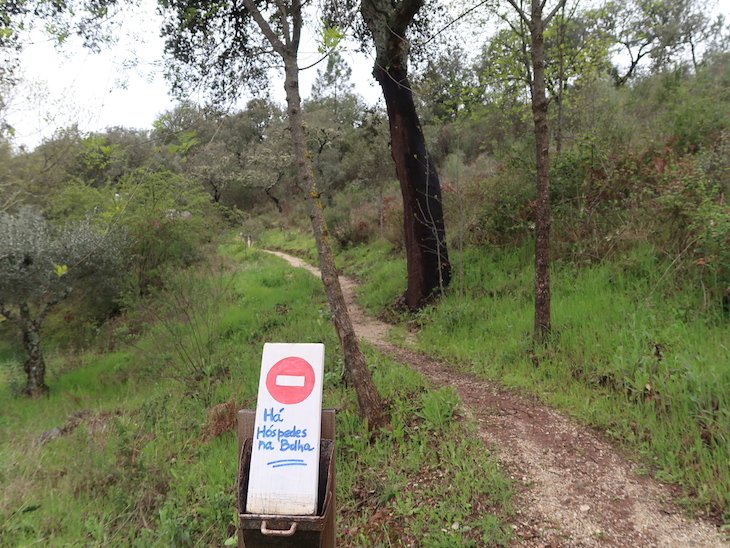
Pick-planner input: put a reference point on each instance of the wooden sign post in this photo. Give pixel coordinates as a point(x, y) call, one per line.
point(285, 454)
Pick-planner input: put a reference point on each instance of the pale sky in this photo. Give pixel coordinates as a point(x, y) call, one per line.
point(123, 85)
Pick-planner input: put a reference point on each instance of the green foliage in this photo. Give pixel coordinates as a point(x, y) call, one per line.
point(503, 70)
point(99, 159)
point(440, 486)
point(636, 165)
point(139, 467)
point(507, 199)
point(41, 264)
point(695, 112)
point(77, 201)
point(641, 234)
point(694, 198)
point(438, 408)
point(187, 316)
point(577, 49)
point(381, 271)
point(351, 218)
point(330, 39)
point(662, 32)
point(651, 368)
point(290, 241)
point(167, 218)
point(447, 87)
point(186, 140)
point(203, 50)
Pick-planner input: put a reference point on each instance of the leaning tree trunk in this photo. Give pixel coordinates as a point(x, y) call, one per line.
point(429, 270)
point(35, 365)
point(370, 404)
point(542, 140)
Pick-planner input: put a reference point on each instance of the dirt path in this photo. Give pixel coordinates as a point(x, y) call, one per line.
point(575, 489)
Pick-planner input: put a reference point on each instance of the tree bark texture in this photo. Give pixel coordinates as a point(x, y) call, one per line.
point(542, 142)
point(35, 365)
point(429, 269)
point(369, 402)
point(287, 46)
point(561, 84)
point(427, 258)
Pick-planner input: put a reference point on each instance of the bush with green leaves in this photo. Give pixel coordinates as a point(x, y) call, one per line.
point(352, 220)
point(167, 217)
point(694, 199)
point(40, 266)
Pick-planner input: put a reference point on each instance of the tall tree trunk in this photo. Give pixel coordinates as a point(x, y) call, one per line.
point(35, 365)
point(561, 83)
point(542, 142)
point(370, 404)
point(429, 269)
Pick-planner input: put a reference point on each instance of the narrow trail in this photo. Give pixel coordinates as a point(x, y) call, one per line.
point(574, 488)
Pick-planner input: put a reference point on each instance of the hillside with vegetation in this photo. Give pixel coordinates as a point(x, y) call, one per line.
point(587, 275)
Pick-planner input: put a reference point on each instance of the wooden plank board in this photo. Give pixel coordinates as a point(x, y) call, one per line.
point(285, 458)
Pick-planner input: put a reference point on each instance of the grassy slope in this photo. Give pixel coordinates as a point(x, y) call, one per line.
point(640, 364)
point(140, 469)
point(631, 354)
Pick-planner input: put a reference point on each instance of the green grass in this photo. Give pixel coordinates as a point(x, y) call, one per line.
point(431, 478)
point(139, 470)
point(377, 267)
point(9, 356)
point(290, 241)
point(380, 271)
point(633, 353)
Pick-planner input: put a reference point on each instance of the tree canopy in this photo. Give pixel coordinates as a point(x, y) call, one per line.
point(40, 265)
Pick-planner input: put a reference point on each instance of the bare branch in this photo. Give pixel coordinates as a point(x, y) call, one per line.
point(517, 31)
point(271, 36)
point(520, 12)
point(553, 12)
point(329, 52)
point(284, 21)
point(274, 199)
point(48, 306)
point(454, 21)
point(404, 15)
point(318, 61)
point(11, 199)
point(297, 23)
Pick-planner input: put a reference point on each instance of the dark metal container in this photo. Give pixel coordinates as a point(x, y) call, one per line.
point(258, 530)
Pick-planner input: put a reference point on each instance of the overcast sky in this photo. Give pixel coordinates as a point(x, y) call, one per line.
point(123, 85)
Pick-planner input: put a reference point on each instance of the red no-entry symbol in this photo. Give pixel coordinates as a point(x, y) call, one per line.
point(290, 380)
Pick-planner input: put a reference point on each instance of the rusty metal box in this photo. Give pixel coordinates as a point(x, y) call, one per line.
point(256, 530)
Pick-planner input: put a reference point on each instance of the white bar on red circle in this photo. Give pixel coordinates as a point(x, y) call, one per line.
point(284, 472)
point(289, 380)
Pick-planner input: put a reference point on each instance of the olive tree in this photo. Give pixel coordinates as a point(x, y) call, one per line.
point(40, 266)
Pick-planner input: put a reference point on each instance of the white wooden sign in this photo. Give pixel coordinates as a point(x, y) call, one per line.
point(284, 470)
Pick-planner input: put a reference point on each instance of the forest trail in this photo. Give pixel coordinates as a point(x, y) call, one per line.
point(573, 487)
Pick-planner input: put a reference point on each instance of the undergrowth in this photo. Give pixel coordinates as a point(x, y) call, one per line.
point(134, 447)
point(634, 352)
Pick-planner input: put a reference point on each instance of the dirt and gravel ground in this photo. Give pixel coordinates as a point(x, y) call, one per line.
point(575, 488)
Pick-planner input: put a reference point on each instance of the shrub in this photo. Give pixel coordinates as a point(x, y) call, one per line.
point(352, 220)
point(167, 218)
